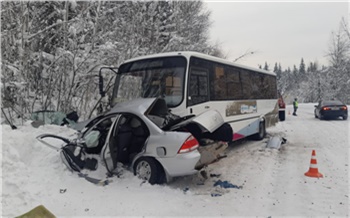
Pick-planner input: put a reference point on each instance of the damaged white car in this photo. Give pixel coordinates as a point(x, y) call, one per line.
point(145, 135)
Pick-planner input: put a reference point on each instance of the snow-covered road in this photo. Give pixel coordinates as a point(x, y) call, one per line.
point(272, 181)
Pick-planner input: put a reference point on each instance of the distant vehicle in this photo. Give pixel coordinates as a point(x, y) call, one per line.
point(192, 83)
point(143, 134)
point(331, 109)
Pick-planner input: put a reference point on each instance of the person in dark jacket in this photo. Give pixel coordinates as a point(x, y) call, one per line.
point(295, 106)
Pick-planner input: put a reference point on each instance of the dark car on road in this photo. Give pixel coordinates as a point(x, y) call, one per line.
point(331, 109)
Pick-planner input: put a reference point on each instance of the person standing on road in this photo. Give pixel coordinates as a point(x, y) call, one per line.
point(295, 106)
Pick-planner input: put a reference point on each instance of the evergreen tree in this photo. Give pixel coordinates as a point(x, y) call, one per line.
point(295, 71)
point(312, 67)
point(309, 68)
point(288, 70)
point(275, 69)
point(302, 67)
point(279, 68)
point(266, 67)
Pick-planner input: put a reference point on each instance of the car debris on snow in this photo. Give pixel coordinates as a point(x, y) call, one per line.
point(275, 142)
point(226, 184)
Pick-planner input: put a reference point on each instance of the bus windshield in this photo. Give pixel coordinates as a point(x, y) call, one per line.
point(157, 77)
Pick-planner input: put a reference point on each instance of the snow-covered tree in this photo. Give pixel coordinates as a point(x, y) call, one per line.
point(51, 51)
point(302, 70)
point(338, 73)
point(266, 66)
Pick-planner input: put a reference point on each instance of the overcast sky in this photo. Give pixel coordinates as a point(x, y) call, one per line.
point(282, 32)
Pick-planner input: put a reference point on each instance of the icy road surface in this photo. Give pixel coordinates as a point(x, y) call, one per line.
point(270, 182)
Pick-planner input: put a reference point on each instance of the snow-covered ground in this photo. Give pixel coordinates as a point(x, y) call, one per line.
point(272, 182)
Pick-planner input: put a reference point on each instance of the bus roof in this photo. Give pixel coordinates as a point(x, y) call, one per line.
point(189, 54)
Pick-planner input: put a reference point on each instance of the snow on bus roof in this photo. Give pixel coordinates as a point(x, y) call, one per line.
point(189, 54)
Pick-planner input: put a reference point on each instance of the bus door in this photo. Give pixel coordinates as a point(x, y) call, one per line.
point(198, 91)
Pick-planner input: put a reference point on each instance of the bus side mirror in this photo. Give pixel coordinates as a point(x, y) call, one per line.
point(100, 79)
point(100, 85)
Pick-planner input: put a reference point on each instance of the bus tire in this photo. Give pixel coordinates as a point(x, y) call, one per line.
point(262, 132)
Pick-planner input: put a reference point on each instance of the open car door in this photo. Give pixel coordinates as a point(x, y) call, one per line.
point(118, 142)
point(109, 151)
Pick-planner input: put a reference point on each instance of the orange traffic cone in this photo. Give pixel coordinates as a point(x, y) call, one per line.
point(313, 171)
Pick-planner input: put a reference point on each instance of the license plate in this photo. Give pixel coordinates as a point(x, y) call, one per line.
point(335, 108)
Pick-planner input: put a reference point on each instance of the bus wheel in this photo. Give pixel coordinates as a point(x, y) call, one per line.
point(262, 132)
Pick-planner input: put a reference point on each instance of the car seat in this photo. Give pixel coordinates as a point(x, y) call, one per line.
point(124, 136)
point(140, 134)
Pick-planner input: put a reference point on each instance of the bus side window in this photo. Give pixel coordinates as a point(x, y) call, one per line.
point(256, 86)
point(218, 89)
point(234, 85)
point(198, 86)
point(246, 85)
point(271, 87)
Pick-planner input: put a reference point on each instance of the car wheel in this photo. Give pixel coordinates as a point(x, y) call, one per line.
point(262, 132)
point(345, 117)
point(149, 169)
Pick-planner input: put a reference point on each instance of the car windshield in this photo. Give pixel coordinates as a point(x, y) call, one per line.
point(157, 77)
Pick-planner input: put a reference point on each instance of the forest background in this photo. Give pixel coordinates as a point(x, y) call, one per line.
point(51, 52)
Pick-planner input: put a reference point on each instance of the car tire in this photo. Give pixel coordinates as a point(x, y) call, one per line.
point(147, 168)
point(345, 117)
point(262, 132)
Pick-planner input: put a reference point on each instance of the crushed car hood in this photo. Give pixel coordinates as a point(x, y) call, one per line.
point(137, 106)
point(208, 121)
